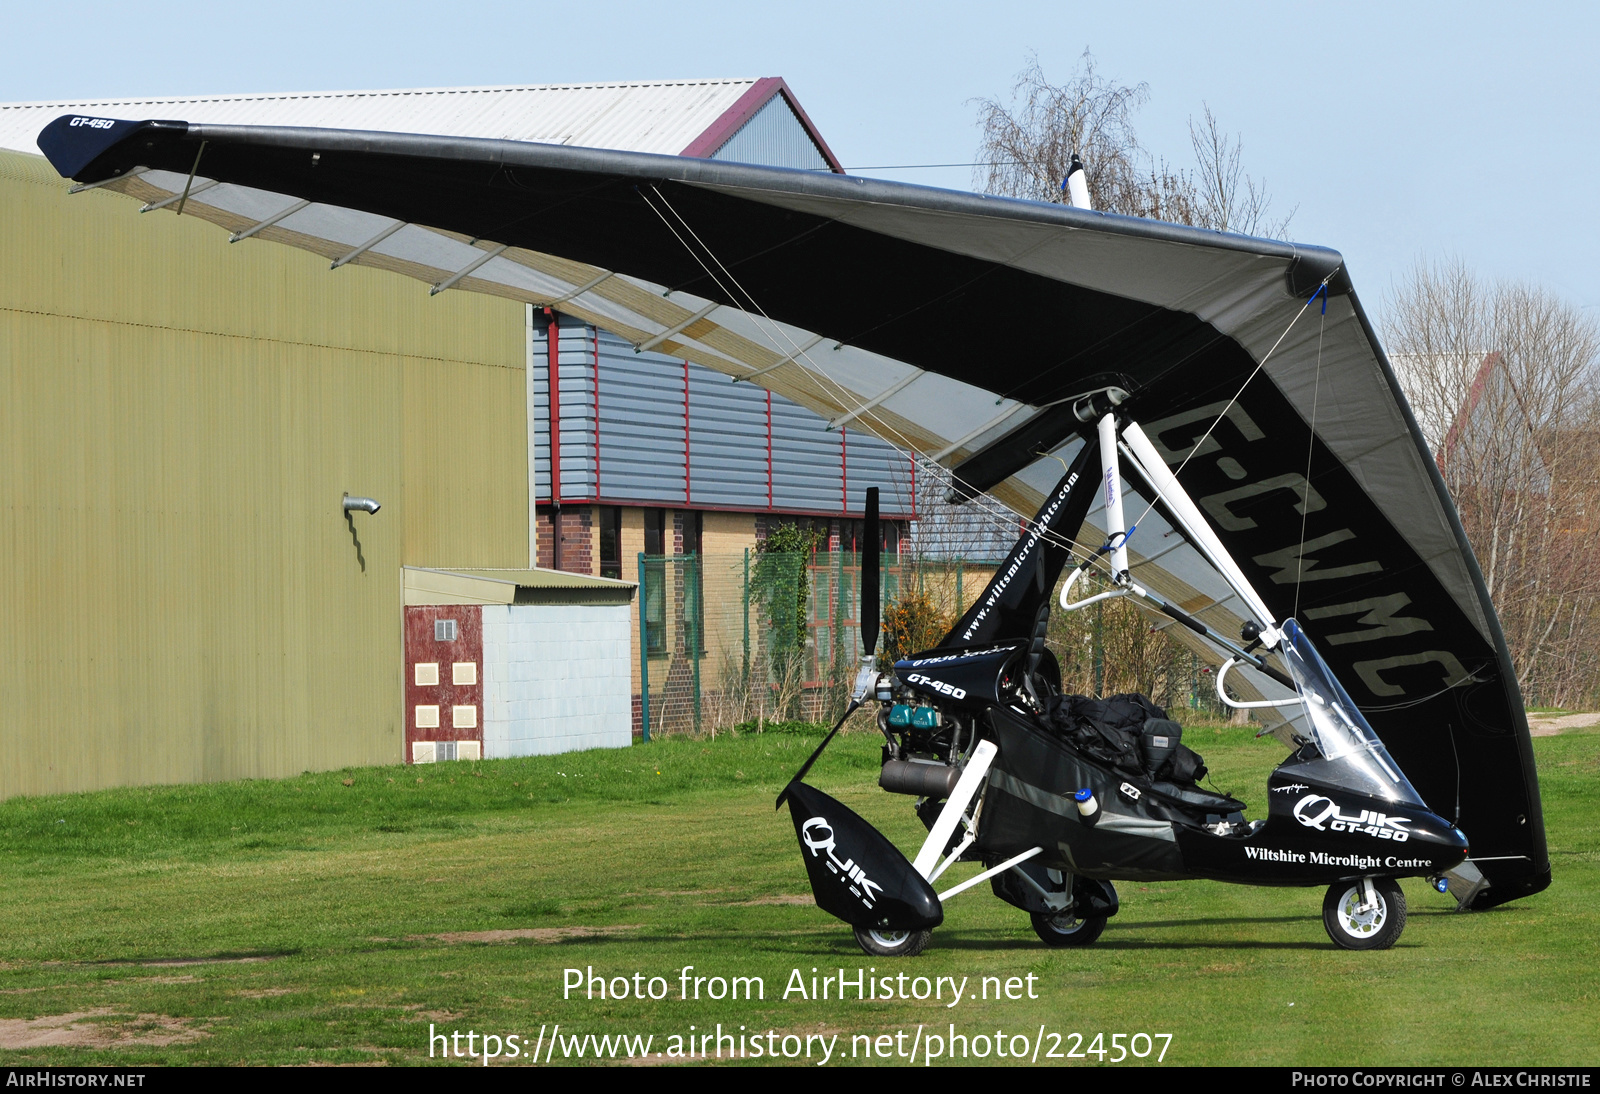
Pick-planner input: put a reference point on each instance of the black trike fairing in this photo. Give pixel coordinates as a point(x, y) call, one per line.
point(1029, 803)
point(1318, 833)
point(1315, 832)
point(1090, 897)
point(856, 874)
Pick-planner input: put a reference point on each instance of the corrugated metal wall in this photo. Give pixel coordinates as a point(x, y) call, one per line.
point(870, 462)
point(578, 451)
point(672, 434)
point(775, 137)
point(727, 442)
point(466, 458)
point(807, 460)
point(660, 116)
point(183, 599)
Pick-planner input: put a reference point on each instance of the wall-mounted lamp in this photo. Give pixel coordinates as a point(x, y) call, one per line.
point(354, 504)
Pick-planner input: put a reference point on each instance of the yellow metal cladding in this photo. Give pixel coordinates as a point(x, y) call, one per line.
point(465, 427)
point(181, 595)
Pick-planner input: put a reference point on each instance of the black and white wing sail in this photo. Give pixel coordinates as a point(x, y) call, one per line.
point(962, 326)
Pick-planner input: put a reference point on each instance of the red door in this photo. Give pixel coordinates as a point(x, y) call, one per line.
point(444, 683)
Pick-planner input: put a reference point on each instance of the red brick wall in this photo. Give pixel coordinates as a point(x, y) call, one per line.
point(577, 540)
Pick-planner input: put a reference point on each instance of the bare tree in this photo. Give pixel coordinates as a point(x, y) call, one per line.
point(1028, 144)
point(1502, 379)
point(1027, 147)
point(1228, 199)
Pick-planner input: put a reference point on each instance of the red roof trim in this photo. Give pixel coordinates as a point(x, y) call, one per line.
point(1480, 383)
point(760, 94)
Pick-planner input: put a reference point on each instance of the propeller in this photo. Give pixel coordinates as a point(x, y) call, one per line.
point(869, 578)
point(870, 624)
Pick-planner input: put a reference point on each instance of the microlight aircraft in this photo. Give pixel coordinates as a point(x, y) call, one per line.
point(1227, 391)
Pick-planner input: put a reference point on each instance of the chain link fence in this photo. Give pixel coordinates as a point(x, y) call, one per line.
point(728, 639)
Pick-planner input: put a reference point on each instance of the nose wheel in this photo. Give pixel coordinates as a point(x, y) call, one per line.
point(1358, 920)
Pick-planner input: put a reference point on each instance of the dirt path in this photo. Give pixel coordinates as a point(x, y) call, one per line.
point(97, 1029)
point(1549, 725)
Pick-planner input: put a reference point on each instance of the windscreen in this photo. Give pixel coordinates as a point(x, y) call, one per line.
point(1356, 756)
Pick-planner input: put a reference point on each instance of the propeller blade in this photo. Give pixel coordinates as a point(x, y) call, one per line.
point(798, 775)
point(869, 575)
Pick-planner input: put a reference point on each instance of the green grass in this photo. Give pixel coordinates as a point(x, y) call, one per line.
point(299, 921)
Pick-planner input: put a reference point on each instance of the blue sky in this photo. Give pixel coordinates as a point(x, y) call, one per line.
point(1400, 130)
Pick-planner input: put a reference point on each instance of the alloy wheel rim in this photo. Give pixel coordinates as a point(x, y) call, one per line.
point(1358, 923)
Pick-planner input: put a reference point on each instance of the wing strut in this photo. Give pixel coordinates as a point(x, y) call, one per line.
point(1148, 464)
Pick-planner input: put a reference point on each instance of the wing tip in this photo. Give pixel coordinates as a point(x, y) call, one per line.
point(81, 146)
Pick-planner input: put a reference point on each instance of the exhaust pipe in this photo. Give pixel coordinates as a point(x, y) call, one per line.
point(922, 778)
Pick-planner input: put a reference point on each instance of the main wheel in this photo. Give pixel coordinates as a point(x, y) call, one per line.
point(1352, 926)
point(883, 942)
point(1067, 928)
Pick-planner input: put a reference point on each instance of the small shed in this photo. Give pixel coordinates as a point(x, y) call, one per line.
point(515, 663)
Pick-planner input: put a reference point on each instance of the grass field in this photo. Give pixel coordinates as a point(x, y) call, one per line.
point(333, 918)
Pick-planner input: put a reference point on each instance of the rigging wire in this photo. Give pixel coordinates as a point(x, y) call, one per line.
point(1471, 677)
point(821, 381)
point(843, 396)
point(1311, 442)
point(919, 166)
point(1247, 381)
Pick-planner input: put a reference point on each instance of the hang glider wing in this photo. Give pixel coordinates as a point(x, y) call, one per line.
point(962, 326)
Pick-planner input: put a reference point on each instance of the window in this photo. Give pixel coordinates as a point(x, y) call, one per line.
point(653, 597)
point(610, 541)
point(655, 527)
point(852, 536)
point(691, 572)
point(655, 607)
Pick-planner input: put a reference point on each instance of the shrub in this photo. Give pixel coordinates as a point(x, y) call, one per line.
point(911, 624)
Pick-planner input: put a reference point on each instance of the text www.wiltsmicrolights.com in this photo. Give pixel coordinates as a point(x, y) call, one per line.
point(918, 1046)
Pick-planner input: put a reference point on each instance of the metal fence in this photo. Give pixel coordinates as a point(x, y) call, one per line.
point(753, 637)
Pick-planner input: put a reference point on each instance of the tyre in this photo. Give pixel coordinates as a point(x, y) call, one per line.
point(884, 942)
point(1353, 927)
point(1067, 928)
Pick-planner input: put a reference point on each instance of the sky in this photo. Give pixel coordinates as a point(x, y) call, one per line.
point(1398, 132)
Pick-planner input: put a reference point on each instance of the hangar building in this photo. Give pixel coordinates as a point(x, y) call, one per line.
point(189, 597)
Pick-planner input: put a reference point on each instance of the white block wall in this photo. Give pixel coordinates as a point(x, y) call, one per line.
point(555, 678)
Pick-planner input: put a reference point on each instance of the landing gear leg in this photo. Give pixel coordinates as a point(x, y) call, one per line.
point(1073, 925)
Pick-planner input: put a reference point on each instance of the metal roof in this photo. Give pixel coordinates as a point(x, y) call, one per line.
point(427, 585)
point(670, 117)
